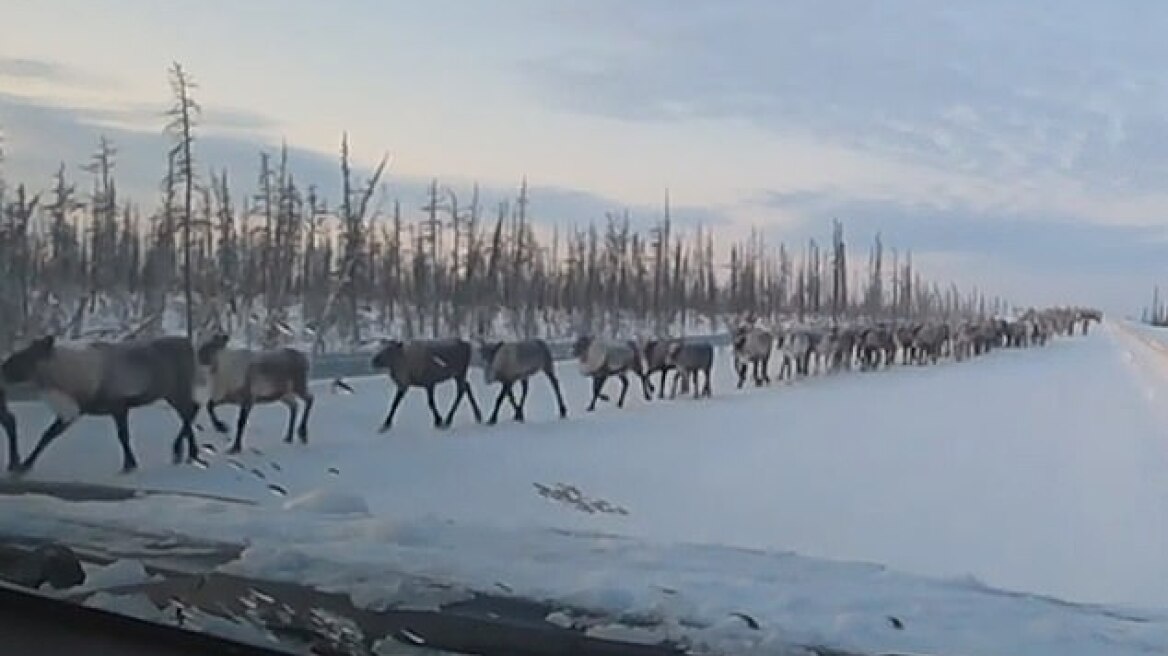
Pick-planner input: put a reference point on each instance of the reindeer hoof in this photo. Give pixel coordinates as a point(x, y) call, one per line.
point(235, 449)
point(288, 440)
point(492, 421)
point(129, 469)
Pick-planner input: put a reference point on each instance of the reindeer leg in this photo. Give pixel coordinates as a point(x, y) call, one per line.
point(240, 425)
point(597, 385)
point(122, 422)
point(741, 374)
point(504, 391)
point(555, 383)
point(438, 421)
point(624, 379)
point(51, 433)
point(600, 389)
point(522, 401)
point(397, 399)
point(291, 403)
point(218, 423)
point(661, 391)
point(308, 399)
point(187, 410)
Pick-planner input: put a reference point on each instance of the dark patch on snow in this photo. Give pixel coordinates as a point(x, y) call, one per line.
point(571, 496)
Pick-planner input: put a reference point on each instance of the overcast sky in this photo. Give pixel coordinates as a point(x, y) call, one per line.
point(1019, 146)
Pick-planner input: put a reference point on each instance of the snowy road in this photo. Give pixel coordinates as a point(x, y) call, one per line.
point(1042, 470)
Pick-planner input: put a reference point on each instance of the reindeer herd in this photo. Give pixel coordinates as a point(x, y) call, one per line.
point(112, 378)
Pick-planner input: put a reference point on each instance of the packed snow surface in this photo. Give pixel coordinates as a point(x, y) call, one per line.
point(819, 509)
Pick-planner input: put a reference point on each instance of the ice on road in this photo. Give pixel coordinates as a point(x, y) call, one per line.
point(1040, 470)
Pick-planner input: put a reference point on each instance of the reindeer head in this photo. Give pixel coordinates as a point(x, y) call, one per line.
point(389, 351)
point(211, 348)
point(21, 365)
point(581, 345)
point(487, 351)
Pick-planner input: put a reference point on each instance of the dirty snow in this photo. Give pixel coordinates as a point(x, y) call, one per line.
point(1042, 471)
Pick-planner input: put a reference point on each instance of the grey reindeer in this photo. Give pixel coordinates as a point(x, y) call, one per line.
point(877, 347)
point(245, 378)
point(507, 363)
point(752, 351)
point(8, 421)
point(600, 360)
point(425, 364)
point(691, 359)
point(108, 379)
point(655, 356)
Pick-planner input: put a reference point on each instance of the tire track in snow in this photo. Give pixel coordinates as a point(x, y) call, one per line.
point(1147, 358)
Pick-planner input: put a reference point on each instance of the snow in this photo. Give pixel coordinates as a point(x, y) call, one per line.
point(329, 502)
point(818, 509)
point(119, 573)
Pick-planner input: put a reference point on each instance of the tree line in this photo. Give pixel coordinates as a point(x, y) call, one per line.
point(280, 262)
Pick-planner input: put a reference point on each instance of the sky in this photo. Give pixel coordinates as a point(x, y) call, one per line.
point(1018, 147)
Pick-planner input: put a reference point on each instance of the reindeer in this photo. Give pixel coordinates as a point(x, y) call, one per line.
point(877, 346)
point(599, 360)
point(245, 378)
point(1018, 333)
point(752, 349)
point(928, 344)
point(509, 362)
point(108, 379)
point(425, 363)
point(905, 337)
point(655, 356)
point(792, 346)
point(1087, 316)
point(691, 359)
point(963, 340)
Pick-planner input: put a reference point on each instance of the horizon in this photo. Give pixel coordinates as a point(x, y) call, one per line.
point(1019, 158)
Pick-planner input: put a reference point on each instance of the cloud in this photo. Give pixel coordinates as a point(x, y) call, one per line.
point(1027, 257)
point(149, 117)
point(996, 89)
point(40, 135)
point(35, 69)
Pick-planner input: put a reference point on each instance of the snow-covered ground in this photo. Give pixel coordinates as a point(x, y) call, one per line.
point(1042, 471)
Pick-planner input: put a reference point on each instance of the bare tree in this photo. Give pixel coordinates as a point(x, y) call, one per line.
point(183, 115)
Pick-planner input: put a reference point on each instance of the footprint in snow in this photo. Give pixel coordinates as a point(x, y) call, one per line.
point(750, 621)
